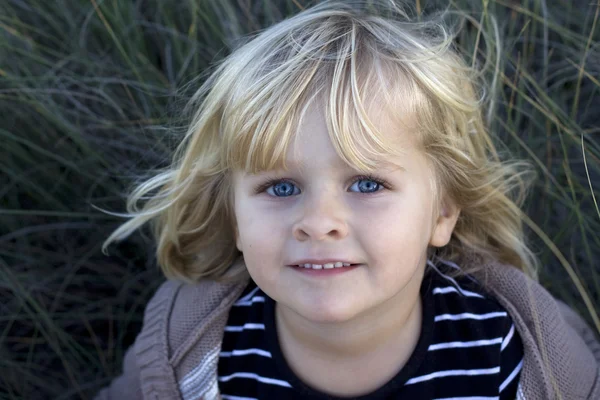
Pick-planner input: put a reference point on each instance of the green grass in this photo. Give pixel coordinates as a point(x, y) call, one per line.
point(88, 102)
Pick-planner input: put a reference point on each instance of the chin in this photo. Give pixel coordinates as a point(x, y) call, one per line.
point(328, 314)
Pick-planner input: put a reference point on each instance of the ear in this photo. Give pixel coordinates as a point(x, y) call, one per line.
point(445, 223)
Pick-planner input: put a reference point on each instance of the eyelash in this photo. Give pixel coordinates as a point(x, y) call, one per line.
point(263, 186)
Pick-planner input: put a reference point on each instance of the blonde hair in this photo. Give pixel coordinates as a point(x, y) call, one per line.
point(246, 113)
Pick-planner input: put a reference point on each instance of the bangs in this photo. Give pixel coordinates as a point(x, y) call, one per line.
point(338, 67)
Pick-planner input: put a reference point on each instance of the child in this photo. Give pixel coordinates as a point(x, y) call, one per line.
point(337, 224)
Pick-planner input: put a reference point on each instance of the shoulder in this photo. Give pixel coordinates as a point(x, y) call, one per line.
point(177, 308)
point(558, 362)
point(182, 323)
point(462, 302)
point(194, 305)
point(475, 332)
point(458, 289)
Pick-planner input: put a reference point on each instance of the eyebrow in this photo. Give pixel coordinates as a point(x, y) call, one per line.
point(390, 165)
point(387, 165)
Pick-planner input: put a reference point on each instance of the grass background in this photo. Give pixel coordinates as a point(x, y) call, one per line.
point(89, 94)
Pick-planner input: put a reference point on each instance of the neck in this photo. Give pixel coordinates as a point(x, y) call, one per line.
point(395, 322)
point(331, 357)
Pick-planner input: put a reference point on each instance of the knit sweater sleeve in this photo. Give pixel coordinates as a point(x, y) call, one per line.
point(173, 355)
point(560, 350)
point(147, 373)
point(581, 327)
point(126, 386)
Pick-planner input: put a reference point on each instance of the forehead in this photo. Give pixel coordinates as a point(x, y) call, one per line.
point(369, 122)
point(316, 140)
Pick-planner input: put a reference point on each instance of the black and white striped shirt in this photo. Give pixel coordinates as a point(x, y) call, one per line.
point(468, 349)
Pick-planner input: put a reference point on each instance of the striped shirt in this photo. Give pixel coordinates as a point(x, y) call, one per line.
point(468, 349)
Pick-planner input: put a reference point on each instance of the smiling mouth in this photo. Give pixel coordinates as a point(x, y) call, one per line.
point(337, 265)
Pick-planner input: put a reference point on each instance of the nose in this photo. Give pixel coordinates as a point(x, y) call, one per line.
point(323, 218)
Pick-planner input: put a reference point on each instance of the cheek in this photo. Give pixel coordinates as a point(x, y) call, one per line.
point(401, 225)
point(260, 235)
point(256, 221)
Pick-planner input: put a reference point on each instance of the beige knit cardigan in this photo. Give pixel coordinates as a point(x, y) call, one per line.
point(175, 355)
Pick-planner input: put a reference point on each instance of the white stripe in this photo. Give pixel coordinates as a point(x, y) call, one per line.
point(229, 328)
point(249, 375)
point(453, 372)
point(511, 376)
point(255, 299)
point(245, 352)
point(461, 290)
point(189, 386)
point(247, 297)
point(456, 317)
point(469, 398)
point(520, 395)
point(453, 265)
point(506, 341)
point(475, 343)
point(444, 290)
point(229, 397)
point(212, 392)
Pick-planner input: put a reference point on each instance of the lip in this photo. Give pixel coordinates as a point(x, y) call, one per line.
point(324, 272)
point(320, 261)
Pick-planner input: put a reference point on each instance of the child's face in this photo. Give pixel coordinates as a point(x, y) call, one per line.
point(322, 211)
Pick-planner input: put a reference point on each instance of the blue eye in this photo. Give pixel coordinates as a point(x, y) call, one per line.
point(282, 189)
point(367, 185)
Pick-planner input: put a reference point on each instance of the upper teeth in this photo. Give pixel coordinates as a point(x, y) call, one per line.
point(338, 264)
